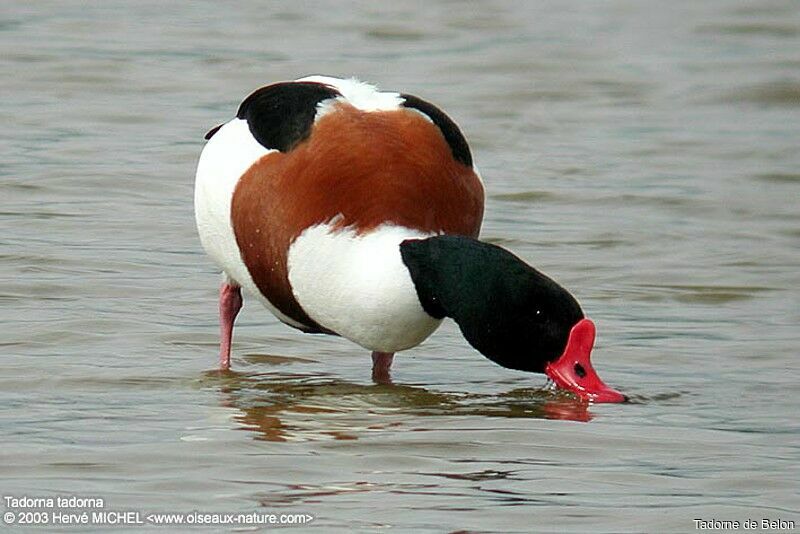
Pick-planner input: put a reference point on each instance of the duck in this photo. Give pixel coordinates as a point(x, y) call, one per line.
point(355, 212)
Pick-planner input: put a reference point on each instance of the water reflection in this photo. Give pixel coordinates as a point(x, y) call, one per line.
point(282, 405)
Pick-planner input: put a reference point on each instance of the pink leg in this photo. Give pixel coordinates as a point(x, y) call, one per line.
point(381, 364)
point(230, 302)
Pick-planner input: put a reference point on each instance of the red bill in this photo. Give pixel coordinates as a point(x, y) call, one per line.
point(573, 370)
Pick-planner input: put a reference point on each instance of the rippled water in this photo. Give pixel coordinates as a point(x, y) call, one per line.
point(646, 154)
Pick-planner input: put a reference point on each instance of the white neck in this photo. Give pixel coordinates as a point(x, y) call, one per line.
point(359, 287)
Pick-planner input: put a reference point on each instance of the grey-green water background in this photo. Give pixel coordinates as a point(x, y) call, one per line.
point(645, 154)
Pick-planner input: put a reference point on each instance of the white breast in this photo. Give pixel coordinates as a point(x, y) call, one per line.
point(227, 155)
point(359, 287)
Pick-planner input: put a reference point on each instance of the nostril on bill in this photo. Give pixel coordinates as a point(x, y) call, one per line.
point(579, 370)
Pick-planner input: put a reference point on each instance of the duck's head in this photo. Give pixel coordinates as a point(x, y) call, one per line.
point(510, 312)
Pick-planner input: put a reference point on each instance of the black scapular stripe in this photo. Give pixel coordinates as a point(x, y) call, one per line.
point(212, 131)
point(452, 134)
point(281, 115)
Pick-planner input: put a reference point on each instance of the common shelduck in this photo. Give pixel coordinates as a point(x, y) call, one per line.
point(354, 212)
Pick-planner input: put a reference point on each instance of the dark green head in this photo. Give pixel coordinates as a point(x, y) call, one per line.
point(506, 309)
point(513, 314)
